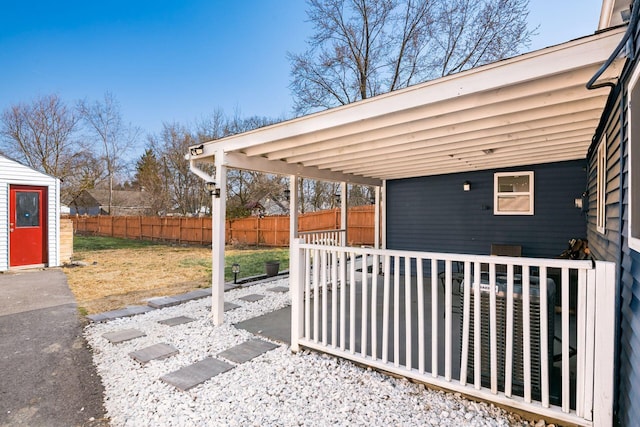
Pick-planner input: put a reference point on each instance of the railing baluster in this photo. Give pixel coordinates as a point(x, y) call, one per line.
point(493, 341)
point(374, 308)
point(352, 304)
point(316, 295)
point(465, 322)
point(477, 334)
point(333, 256)
point(396, 311)
point(343, 299)
point(580, 339)
point(508, 358)
point(307, 294)
point(420, 292)
point(526, 333)
point(566, 385)
point(434, 318)
point(365, 307)
point(448, 319)
point(544, 337)
point(385, 309)
point(407, 310)
point(325, 296)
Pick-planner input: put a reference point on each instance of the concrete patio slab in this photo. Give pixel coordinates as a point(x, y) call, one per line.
point(252, 297)
point(154, 352)
point(117, 337)
point(193, 375)
point(281, 289)
point(175, 321)
point(123, 312)
point(275, 326)
point(247, 350)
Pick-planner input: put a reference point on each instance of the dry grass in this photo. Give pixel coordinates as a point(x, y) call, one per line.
point(121, 277)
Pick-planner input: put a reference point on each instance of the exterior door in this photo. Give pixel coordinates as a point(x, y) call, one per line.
point(27, 225)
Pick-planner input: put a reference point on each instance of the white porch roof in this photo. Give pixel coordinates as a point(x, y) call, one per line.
point(530, 109)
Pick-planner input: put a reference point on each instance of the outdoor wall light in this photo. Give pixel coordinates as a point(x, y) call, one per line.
point(466, 186)
point(196, 151)
point(211, 188)
point(235, 269)
point(287, 194)
point(338, 197)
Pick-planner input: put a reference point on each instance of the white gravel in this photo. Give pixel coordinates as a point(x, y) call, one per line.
point(279, 388)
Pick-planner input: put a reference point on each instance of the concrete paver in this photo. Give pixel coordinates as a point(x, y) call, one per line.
point(154, 352)
point(281, 289)
point(175, 321)
point(247, 350)
point(192, 375)
point(117, 337)
point(252, 297)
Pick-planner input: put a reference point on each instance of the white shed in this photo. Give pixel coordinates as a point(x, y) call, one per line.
point(29, 217)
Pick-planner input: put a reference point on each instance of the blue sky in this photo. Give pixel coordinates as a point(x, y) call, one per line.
point(179, 60)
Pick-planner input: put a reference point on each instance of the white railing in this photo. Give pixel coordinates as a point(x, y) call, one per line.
point(529, 340)
point(324, 237)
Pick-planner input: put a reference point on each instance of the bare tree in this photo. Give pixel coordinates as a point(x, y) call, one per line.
point(41, 135)
point(110, 133)
point(362, 48)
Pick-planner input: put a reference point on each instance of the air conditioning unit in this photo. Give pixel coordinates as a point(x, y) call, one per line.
point(500, 289)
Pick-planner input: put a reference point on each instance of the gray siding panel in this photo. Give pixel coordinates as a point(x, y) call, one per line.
point(435, 214)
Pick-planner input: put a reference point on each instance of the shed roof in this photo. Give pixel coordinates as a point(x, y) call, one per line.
point(530, 109)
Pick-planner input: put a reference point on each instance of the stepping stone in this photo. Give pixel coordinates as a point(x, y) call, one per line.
point(115, 314)
point(175, 321)
point(154, 352)
point(123, 335)
point(228, 306)
point(279, 289)
point(192, 375)
point(162, 302)
point(252, 297)
point(247, 350)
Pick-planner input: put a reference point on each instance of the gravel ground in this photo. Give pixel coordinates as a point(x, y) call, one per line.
point(278, 388)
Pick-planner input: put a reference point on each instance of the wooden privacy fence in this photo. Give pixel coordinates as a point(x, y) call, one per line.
point(266, 231)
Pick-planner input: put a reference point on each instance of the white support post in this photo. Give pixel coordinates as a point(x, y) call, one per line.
point(383, 216)
point(343, 212)
point(376, 226)
point(604, 350)
point(293, 208)
point(297, 282)
point(218, 216)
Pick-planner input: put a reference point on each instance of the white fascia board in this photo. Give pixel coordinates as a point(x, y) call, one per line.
point(571, 55)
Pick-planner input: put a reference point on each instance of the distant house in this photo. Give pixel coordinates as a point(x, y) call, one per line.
point(29, 217)
point(96, 202)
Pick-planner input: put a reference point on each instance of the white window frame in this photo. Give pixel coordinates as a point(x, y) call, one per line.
point(633, 159)
point(497, 194)
point(601, 187)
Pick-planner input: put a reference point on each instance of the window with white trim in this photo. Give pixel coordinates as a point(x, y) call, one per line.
point(513, 193)
point(633, 191)
point(601, 187)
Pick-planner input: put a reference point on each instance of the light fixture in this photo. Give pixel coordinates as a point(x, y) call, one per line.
point(287, 194)
point(372, 199)
point(338, 197)
point(211, 188)
point(235, 269)
point(196, 151)
point(466, 186)
point(488, 151)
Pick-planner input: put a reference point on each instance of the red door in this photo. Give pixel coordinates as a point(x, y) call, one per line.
point(27, 225)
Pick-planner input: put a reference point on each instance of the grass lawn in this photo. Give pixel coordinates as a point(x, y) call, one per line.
point(124, 272)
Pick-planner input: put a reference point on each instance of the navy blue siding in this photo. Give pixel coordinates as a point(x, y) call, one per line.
point(613, 246)
point(435, 214)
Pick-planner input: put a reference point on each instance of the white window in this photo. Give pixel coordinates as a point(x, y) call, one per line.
point(601, 187)
point(513, 193)
point(634, 160)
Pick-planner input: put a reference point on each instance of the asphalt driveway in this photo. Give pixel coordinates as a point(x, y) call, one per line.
point(47, 376)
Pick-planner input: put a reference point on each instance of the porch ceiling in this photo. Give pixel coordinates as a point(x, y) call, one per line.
point(530, 109)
